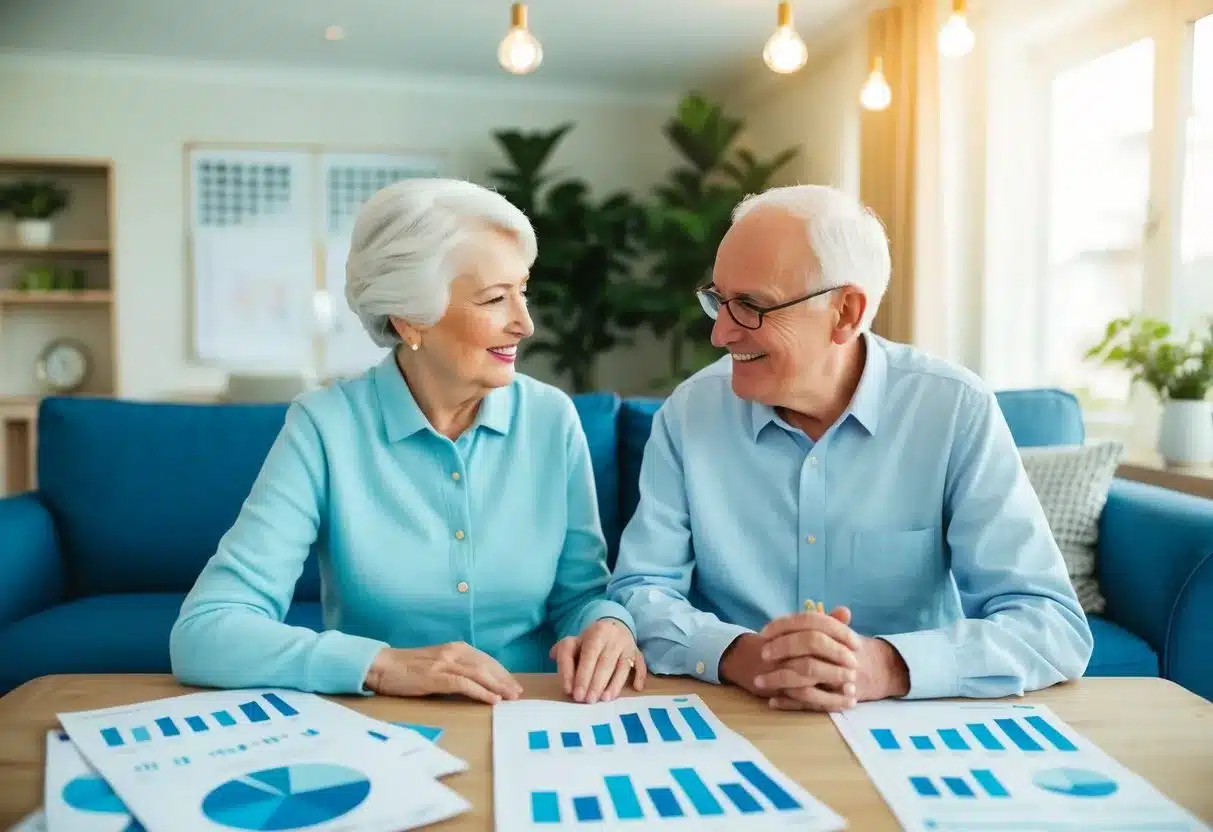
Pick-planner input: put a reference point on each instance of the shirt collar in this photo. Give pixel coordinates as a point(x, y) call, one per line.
point(865, 404)
point(402, 416)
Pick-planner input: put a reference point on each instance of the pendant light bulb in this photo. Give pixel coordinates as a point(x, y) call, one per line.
point(956, 39)
point(876, 93)
point(520, 51)
point(785, 51)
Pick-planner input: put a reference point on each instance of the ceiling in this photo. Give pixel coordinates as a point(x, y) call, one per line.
point(640, 45)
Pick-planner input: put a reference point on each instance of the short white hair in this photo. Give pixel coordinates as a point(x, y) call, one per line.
point(400, 250)
point(848, 238)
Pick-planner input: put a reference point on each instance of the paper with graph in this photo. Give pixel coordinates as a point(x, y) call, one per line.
point(638, 762)
point(262, 759)
point(977, 766)
point(77, 797)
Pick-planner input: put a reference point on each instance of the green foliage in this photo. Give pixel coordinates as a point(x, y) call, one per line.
point(1173, 369)
point(688, 217)
point(578, 290)
point(29, 200)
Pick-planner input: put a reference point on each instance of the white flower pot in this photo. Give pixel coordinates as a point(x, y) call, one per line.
point(34, 233)
point(1185, 436)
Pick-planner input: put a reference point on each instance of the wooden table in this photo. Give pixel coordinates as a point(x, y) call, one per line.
point(1152, 726)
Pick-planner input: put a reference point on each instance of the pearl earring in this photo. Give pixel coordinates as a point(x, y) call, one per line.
point(414, 346)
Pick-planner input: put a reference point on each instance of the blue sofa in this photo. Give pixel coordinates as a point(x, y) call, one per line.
point(133, 497)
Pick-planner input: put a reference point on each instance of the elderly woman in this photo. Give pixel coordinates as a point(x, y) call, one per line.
point(450, 499)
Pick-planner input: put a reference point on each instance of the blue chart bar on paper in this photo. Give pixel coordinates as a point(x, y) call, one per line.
point(281, 707)
point(1059, 740)
point(695, 789)
point(140, 734)
point(587, 808)
point(985, 736)
point(570, 739)
point(885, 739)
point(634, 728)
point(924, 786)
point(111, 736)
point(1022, 739)
point(922, 743)
point(665, 726)
point(545, 807)
point(958, 786)
point(952, 739)
point(224, 718)
point(742, 799)
point(603, 735)
point(537, 740)
point(665, 802)
point(196, 724)
point(759, 779)
point(695, 721)
point(623, 797)
point(167, 727)
point(254, 712)
point(993, 786)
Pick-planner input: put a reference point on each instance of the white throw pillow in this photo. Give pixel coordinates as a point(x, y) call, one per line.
point(1072, 483)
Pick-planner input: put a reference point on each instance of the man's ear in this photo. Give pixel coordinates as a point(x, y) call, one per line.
point(848, 312)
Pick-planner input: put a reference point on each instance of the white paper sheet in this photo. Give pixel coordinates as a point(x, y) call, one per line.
point(977, 766)
point(562, 765)
point(77, 798)
point(261, 759)
point(35, 821)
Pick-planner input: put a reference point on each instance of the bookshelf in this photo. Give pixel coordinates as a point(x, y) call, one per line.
point(50, 290)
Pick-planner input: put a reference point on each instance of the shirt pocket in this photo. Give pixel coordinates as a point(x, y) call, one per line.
point(894, 578)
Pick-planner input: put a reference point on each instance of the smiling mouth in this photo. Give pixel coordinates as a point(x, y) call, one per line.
point(506, 354)
point(747, 357)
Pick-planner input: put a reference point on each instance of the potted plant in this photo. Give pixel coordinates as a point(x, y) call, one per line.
point(1180, 372)
point(33, 205)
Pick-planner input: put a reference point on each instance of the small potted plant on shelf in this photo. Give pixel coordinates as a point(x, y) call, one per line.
point(1179, 372)
point(33, 205)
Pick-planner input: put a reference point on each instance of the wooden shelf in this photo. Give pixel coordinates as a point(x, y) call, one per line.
point(57, 297)
point(82, 249)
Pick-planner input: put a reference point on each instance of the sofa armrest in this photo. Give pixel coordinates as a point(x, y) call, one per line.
point(30, 561)
point(1156, 572)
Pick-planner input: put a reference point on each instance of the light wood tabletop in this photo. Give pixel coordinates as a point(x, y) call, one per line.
point(1154, 727)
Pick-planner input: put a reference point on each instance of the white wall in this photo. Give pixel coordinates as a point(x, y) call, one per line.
point(142, 113)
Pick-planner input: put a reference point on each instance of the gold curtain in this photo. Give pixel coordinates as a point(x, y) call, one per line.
point(903, 37)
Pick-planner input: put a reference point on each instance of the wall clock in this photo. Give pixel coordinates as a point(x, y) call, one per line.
point(63, 365)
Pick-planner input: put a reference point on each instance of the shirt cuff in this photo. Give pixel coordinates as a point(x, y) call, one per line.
point(598, 610)
point(707, 646)
point(340, 662)
point(931, 659)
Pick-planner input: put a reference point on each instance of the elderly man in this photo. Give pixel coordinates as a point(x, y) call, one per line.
point(827, 517)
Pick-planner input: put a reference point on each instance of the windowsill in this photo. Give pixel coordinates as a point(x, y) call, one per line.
point(1143, 465)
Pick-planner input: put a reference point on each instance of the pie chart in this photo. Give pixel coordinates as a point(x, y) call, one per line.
point(1075, 782)
point(287, 797)
point(90, 793)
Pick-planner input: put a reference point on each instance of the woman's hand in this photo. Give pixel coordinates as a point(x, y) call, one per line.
point(597, 663)
point(443, 669)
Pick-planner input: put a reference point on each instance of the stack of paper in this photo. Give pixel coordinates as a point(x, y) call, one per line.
point(262, 759)
point(639, 762)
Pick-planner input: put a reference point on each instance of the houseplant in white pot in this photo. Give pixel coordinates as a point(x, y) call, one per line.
point(1179, 372)
point(34, 205)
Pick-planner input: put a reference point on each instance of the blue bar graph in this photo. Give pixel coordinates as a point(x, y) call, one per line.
point(281, 707)
point(986, 779)
point(924, 786)
point(923, 743)
point(603, 735)
point(623, 796)
point(665, 726)
point(141, 734)
point(742, 799)
point(167, 727)
point(697, 791)
point(570, 739)
point(1018, 735)
point(634, 728)
point(254, 712)
point(537, 740)
point(959, 786)
point(1059, 740)
point(885, 739)
point(224, 718)
point(952, 739)
point(665, 802)
point(378, 736)
point(587, 808)
point(545, 807)
point(759, 779)
point(698, 725)
point(111, 736)
point(985, 736)
point(196, 724)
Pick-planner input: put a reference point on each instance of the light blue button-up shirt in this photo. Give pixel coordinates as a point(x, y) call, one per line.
point(493, 539)
point(913, 510)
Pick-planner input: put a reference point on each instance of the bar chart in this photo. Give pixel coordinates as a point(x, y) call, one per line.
point(679, 723)
point(977, 782)
point(267, 707)
point(1027, 734)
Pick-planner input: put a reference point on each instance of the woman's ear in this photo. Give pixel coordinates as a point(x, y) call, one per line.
point(409, 334)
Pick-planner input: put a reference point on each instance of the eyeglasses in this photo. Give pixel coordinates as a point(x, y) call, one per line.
point(744, 312)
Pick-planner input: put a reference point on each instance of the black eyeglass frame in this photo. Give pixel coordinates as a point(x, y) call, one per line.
point(707, 291)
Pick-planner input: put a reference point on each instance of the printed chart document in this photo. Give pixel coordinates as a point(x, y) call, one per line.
point(33, 822)
point(260, 759)
point(993, 766)
point(76, 796)
point(637, 763)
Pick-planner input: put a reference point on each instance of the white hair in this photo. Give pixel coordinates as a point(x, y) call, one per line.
point(400, 250)
point(848, 238)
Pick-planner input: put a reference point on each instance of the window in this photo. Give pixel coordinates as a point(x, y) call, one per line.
point(1194, 285)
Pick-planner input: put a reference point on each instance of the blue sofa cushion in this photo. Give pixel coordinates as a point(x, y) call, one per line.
point(635, 424)
point(1042, 417)
point(141, 492)
point(1118, 652)
point(599, 415)
point(103, 634)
